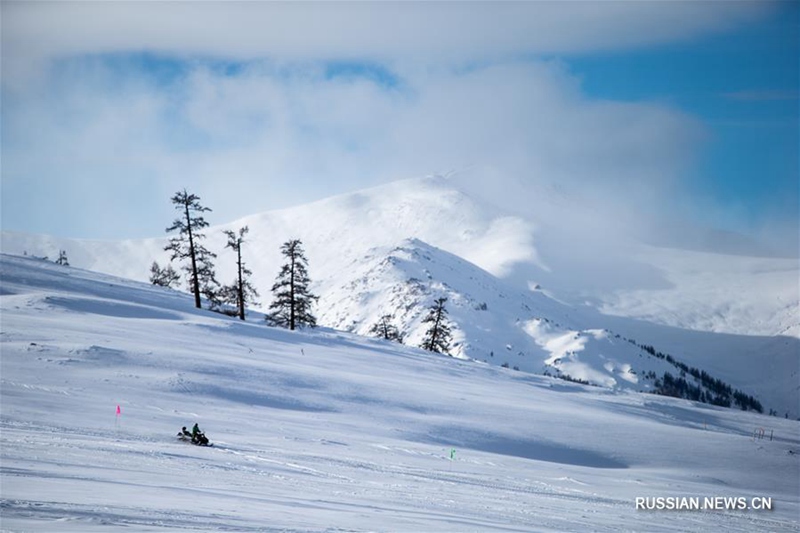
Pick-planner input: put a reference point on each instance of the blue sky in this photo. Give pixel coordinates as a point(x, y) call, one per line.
point(744, 86)
point(690, 108)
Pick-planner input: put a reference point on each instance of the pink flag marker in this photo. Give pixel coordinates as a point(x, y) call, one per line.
point(119, 411)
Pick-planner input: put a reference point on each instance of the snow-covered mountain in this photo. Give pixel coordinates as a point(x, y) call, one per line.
point(523, 290)
point(530, 331)
point(494, 323)
point(327, 431)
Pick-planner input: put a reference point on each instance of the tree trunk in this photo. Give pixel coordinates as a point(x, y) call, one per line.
point(435, 329)
point(292, 300)
point(241, 282)
point(195, 278)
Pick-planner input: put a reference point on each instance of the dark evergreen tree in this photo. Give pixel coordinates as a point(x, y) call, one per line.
point(437, 338)
point(241, 291)
point(384, 329)
point(62, 258)
point(163, 277)
point(188, 245)
point(291, 307)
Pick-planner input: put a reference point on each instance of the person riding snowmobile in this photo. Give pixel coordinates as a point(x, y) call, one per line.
point(198, 437)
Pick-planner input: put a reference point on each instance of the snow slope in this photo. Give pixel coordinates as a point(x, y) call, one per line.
point(327, 431)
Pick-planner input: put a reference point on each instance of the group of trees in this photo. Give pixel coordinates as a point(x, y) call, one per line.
point(62, 257)
point(437, 337)
point(710, 389)
point(722, 394)
point(292, 302)
point(291, 306)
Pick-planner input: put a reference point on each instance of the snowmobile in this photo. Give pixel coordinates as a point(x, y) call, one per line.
point(199, 440)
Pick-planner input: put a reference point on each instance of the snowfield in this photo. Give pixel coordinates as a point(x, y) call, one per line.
point(328, 431)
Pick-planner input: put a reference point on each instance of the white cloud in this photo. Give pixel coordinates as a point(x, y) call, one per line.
point(386, 31)
point(282, 130)
point(290, 137)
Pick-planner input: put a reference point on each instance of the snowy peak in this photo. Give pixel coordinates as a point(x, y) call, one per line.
point(403, 281)
point(491, 321)
point(430, 209)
